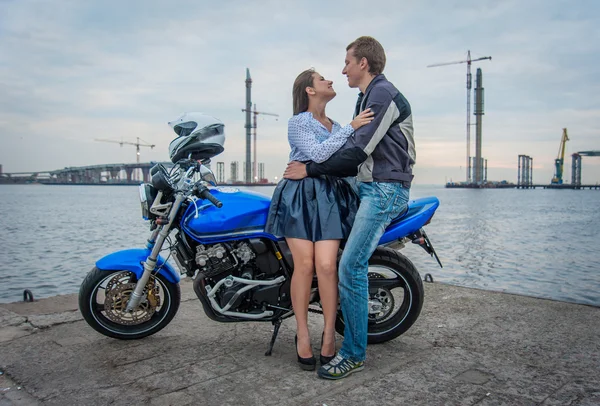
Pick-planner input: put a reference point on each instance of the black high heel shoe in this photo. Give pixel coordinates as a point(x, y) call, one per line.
point(307, 364)
point(324, 358)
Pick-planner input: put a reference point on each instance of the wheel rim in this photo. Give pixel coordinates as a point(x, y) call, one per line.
point(400, 299)
point(109, 298)
point(399, 304)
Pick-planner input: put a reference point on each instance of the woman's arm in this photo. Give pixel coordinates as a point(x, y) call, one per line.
point(301, 134)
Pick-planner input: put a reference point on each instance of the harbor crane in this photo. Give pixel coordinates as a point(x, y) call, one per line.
point(254, 126)
point(468, 61)
point(560, 159)
point(137, 144)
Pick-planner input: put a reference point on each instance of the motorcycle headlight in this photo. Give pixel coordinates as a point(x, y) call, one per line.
point(160, 178)
point(147, 196)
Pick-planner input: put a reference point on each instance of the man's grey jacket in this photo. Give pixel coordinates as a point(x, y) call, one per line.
point(384, 149)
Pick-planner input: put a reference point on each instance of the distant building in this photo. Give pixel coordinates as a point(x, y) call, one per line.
point(234, 171)
point(220, 172)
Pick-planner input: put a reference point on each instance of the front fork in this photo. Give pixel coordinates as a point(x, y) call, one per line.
point(155, 242)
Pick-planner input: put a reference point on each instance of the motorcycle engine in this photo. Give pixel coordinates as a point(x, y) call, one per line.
point(250, 259)
point(216, 259)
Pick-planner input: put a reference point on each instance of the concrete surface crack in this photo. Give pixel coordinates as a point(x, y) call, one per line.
point(14, 383)
point(555, 391)
point(136, 361)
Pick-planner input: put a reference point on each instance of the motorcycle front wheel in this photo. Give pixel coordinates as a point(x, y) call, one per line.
point(103, 297)
point(396, 296)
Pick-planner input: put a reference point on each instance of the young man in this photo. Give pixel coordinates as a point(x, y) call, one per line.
point(384, 152)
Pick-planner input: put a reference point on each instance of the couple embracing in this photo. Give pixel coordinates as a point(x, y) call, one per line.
point(317, 205)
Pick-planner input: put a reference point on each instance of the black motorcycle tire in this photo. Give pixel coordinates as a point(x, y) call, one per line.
point(412, 284)
point(94, 317)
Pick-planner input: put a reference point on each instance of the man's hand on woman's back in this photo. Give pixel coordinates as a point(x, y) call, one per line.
point(295, 170)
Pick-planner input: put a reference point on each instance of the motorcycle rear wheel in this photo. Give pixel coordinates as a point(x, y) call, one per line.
point(103, 296)
point(401, 300)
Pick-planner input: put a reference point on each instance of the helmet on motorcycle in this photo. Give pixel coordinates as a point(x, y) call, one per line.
point(199, 134)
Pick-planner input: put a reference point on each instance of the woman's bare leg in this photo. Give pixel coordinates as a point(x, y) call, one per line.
point(303, 255)
point(326, 253)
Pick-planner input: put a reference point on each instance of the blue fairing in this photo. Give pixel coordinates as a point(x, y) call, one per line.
point(419, 212)
point(243, 215)
point(131, 260)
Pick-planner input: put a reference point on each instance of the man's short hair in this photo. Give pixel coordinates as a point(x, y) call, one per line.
point(370, 48)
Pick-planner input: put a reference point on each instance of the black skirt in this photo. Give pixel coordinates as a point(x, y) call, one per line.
point(314, 209)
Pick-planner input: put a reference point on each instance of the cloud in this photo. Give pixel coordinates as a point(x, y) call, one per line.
point(73, 71)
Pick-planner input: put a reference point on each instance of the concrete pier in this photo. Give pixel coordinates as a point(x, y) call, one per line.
point(469, 347)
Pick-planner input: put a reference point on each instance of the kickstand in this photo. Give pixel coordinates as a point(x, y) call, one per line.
point(276, 324)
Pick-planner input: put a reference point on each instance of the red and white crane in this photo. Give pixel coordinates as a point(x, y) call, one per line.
point(468, 61)
point(254, 125)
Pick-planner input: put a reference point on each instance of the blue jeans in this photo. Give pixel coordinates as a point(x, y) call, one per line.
point(380, 203)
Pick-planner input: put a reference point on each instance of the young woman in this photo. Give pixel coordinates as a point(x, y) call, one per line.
point(314, 214)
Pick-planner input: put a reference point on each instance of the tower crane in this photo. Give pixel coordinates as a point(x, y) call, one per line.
point(560, 159)
point(137, 144)
point(254, 125)
point(468, 61)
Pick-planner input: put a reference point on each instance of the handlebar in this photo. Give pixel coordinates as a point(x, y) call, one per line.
point(204, 193)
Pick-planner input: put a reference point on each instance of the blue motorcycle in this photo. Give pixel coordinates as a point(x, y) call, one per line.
point(216, 236)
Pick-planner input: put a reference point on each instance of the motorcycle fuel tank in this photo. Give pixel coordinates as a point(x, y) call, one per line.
point(244, 213)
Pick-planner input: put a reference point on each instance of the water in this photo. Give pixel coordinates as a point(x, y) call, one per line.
point(540, 243)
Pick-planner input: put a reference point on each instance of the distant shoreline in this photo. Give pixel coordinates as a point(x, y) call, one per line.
point(120, 184)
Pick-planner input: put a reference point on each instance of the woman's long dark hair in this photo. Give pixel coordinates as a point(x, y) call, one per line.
point(299, 95)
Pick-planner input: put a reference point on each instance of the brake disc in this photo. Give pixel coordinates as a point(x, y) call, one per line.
point(117, 293)
point(381, 304)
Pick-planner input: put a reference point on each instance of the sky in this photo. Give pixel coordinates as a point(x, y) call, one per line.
point(74, 71)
